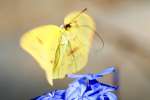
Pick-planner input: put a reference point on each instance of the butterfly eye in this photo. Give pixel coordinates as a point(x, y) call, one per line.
point(67, 26)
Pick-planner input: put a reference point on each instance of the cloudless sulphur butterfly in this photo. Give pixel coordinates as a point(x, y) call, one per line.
point(61, 50)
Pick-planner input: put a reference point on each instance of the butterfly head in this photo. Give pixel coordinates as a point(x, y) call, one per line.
point(66, 26)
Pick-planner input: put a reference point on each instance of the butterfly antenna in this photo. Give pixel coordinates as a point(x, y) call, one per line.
point(98, 35)
point(101, 39)
point(82, 11)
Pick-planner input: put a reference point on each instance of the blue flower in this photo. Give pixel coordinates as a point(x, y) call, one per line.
point(85, 87)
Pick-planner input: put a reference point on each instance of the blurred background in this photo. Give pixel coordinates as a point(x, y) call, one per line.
point(123, 24)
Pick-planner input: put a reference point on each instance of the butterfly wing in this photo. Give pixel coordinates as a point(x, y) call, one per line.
point(76, 42)
point(42, 43)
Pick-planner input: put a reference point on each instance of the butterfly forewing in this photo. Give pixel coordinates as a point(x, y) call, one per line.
point(42, 43)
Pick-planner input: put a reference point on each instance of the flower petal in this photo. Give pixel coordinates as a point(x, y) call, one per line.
point(93, 76)
point(111, 96)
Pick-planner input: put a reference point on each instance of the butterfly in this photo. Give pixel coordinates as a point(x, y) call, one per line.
point(61, 50)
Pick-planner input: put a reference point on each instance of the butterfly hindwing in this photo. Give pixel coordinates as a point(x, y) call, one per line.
point(78, 38)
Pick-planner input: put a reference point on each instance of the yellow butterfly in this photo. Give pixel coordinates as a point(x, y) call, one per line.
point(61, 50)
